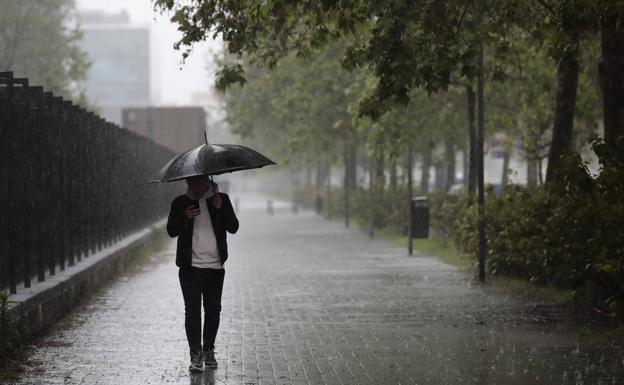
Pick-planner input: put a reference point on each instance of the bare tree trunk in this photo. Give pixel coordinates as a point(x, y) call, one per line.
point(479, 4)
point(380, 174)
point(505, 171)
point(567, 73)
point(426, 165)
point(329, 202)
point(349, 179)
point(465, 157)
point(439, 176)
point(371, 187)
point(531, 172)
point(352, 166)
point(309, 177)
point(410, 166)
point(472, 143)
point(321, 174)
point(449, 160)
point(394, 183)
point(612, 70)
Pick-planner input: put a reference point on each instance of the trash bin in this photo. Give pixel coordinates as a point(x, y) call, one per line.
point(420, 217)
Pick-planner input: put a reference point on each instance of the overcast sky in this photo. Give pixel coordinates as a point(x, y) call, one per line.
point(172, 82)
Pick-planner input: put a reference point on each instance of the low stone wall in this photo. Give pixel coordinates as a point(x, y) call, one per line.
point(45, 302)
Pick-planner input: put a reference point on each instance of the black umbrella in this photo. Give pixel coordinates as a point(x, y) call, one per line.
point(212, 159)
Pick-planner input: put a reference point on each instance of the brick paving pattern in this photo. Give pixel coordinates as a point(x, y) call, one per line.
point(307, 301)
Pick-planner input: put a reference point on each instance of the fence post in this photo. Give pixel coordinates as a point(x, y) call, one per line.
point(61, 193)
point(21, 168)
point(69, 180)
point(39, 160)
point(10, 186)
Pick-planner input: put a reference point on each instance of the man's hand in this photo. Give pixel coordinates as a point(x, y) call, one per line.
point(191, 212)
point(216, 198)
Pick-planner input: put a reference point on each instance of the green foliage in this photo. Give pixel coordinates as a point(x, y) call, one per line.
point(11, 338)
point(565, 234)
point(404, 44)
point(297, 111)
point(389, 209)
point(39, 40)
point(228, 75)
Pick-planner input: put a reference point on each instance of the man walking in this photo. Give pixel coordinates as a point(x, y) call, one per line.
point(200, 219)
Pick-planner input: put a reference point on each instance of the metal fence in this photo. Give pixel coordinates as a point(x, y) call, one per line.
point(70, 183)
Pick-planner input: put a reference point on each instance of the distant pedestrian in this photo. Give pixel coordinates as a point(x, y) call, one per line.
point(200, 219)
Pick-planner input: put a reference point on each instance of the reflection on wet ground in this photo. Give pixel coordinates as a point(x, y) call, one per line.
point(307, 301)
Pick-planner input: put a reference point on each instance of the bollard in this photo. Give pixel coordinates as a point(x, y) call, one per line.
point(270, 207)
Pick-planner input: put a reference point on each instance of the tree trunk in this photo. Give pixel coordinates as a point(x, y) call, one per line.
point(349, 179)
point(371, 187)
point(612, 70)
point(449, 160)
point(346, 189)
point(380, 175)
point(329, 205)
point(426, 165)
point(531, 172)
point(394, 183)
point(472, 143)
point(567, 74)
point(505, 170)
point(308, 179)
point(465, 156)
point(321, 174)
point(352, 166)
point(410, 166)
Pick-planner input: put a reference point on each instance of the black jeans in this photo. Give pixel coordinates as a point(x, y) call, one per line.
point(195, 283)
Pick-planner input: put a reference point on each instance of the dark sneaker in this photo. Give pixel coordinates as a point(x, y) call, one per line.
point(197, 364)
point(209, 359)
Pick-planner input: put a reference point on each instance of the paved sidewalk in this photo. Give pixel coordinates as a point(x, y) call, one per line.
point(307, 301)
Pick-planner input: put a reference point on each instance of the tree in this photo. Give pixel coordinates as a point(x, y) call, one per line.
point(612, 71)
point(39, 40)
point(300, 107)
point(405, 44)
point(523, 100)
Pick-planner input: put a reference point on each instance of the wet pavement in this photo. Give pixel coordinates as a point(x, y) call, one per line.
point(307, 301)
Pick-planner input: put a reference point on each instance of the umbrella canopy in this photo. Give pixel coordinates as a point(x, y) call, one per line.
point(212, 159)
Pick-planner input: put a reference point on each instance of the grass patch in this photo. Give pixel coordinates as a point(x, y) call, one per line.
point(558, 296)
point(445, 251)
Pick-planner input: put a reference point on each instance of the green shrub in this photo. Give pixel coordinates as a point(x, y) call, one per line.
point(389, 209)
point(568, 233)
point(11, 338)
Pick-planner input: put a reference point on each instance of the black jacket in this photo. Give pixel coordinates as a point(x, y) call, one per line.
point(223, 219)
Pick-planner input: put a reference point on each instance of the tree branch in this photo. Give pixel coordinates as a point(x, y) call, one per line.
point(547, 7)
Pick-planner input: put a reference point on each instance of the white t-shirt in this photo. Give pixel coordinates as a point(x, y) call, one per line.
point(205, 251)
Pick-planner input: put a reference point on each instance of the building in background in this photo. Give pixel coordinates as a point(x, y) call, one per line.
point(119, 51)
point(177, 128)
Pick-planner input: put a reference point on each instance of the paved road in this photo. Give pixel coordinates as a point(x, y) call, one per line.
point(307, 301)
